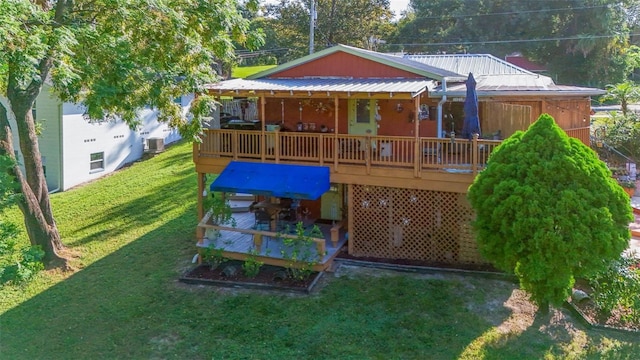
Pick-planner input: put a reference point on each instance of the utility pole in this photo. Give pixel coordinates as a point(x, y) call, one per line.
point(313, 16)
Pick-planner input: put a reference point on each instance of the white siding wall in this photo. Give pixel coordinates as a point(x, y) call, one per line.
point(119, 144)
point(48, 113)
point(66, 146)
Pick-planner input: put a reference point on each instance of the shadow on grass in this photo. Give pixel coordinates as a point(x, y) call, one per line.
point(137, 213)
point(558, 335)
point(105, 309)
point(131, 201)
point(130, 305)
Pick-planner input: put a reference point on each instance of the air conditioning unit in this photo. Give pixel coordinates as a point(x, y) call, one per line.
point(155, 145)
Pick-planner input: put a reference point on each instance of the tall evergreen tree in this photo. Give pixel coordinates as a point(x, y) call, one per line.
point(548, 211)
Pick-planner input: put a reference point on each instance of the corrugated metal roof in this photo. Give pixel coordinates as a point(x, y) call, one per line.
point(414, 86)
point(514, 84)
point(463, 64)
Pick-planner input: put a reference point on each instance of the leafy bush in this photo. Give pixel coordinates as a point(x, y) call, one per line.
point(213, 256)
point(618, 287)
point(299, 252)
point(251, 266)
point(17, 266)
point(221, 213)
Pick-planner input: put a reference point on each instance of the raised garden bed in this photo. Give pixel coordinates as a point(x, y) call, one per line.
point(269, 278)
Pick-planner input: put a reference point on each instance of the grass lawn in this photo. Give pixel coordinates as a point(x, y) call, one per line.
point(133, 232)
point(244, 71)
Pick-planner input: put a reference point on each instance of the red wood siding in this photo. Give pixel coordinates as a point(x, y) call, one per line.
point(344, 65)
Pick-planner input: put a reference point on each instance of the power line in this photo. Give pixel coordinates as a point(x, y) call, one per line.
point(441, 17)
point(577, 37)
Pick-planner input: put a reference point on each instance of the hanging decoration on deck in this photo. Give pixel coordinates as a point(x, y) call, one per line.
point(318, 106)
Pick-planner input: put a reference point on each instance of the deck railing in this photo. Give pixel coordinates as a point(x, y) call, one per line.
point(327, 149)
point(583, 134)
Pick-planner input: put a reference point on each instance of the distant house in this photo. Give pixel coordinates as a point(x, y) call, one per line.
point(524, 63)
point(75, 150)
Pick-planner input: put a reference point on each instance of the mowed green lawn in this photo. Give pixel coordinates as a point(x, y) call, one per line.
point(134, 234)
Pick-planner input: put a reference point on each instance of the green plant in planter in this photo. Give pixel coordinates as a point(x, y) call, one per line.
point(299, 252)
point(220, 210)
point(251, 266)
point(213, 256)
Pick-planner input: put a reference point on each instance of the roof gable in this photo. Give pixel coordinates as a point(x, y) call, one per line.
point(394, 65)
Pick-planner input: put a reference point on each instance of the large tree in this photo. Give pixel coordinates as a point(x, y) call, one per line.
point(548, 211)
point(115, 57)
point(580, 42)
point(350, 22)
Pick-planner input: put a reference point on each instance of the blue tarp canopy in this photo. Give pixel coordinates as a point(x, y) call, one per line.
point(278, 180)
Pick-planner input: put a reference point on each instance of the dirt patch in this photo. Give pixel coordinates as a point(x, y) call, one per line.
point(588, 309)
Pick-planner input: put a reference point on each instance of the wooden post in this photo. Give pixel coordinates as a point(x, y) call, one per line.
point(474, 154)
point(235, 144)
point(336, 145)
point(276, 146)
point(321, 149)
point(350, 217)
point(263, 135)
point(201, 190)
point(257, 241)
point(196, 152)
point(367, 153)
point(416, 152)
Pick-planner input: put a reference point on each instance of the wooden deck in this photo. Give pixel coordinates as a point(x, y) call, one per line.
point(245, 240)
point(342, 149)
point(436, 164)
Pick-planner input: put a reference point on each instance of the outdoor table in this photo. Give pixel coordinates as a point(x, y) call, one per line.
point(273, 209)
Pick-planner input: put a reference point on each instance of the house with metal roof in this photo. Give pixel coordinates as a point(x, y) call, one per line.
point(386, 130)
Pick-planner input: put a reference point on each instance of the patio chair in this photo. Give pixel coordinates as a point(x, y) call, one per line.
point(263, 220)
point(287, 217)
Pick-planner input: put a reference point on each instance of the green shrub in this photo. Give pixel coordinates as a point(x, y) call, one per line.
point(213, 256)
point(251, 266)
point(618, 287)
point(17, 266)
point(299, 252)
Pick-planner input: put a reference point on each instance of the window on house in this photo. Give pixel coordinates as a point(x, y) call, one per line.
point(97, 161)
point(362, 111)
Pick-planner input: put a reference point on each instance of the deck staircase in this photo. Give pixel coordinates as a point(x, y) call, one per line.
point(610, 155)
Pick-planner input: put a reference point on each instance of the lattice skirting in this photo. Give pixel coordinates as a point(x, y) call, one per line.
point(396, 223)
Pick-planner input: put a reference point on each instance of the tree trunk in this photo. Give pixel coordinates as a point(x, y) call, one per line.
point(543, 308)
point(34, 204)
